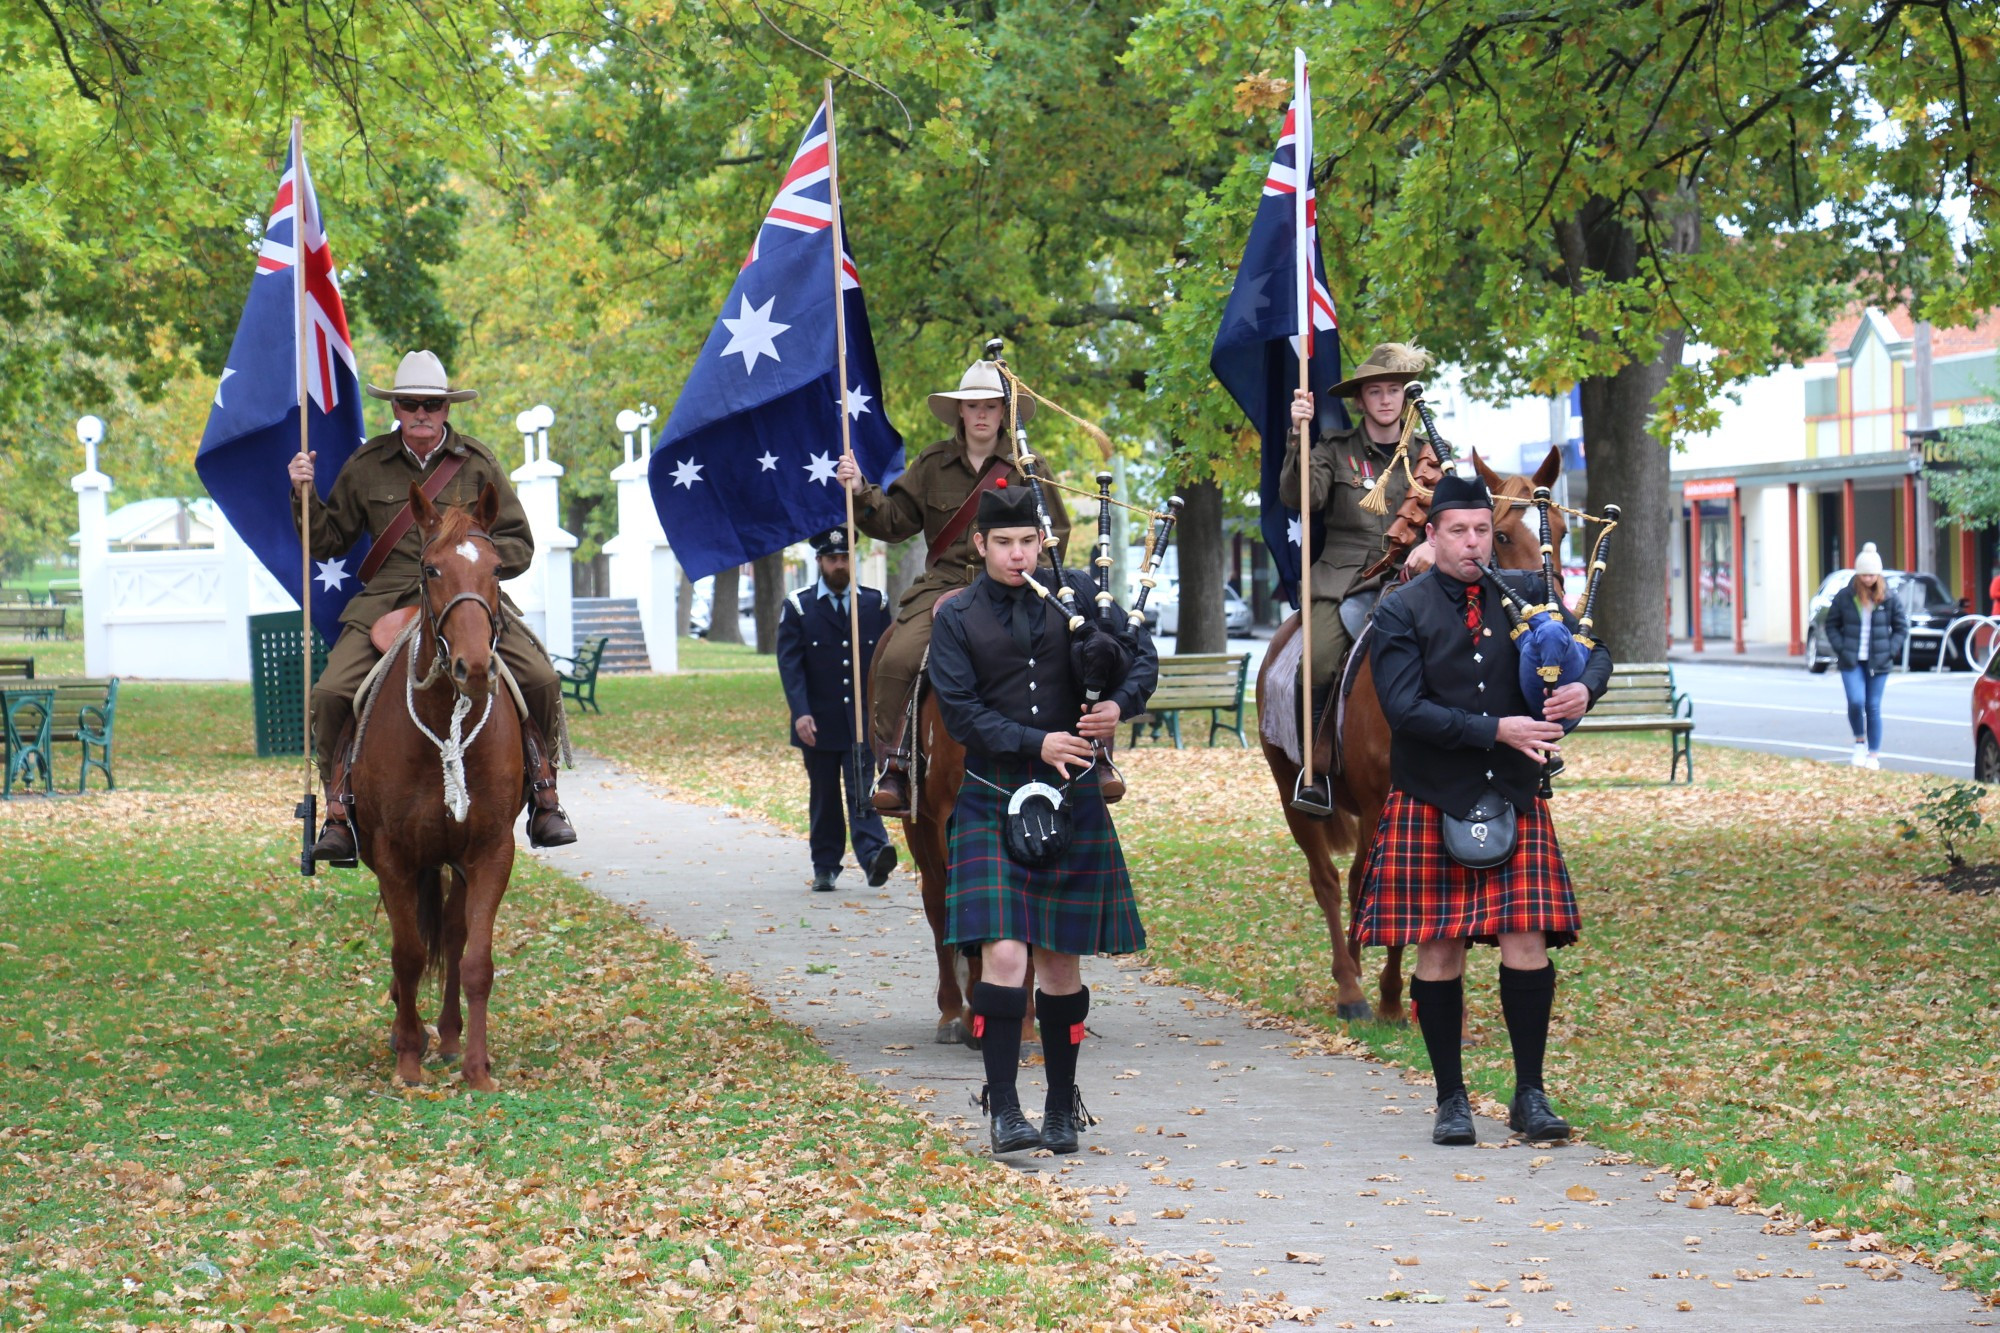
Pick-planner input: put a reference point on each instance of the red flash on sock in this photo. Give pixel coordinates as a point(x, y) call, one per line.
point(1076, 1034)
point(979, 1025)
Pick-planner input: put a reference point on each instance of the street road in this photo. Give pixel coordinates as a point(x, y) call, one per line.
point(1926, 719)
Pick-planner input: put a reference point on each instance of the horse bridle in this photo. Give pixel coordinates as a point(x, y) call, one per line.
point(435, 618)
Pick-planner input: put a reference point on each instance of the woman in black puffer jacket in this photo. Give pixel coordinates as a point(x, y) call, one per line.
point(1866, 627)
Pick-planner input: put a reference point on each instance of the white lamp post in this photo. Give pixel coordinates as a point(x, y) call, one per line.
point(628, 422)
point(524, 422)
point(545, 417)
point(90, 431)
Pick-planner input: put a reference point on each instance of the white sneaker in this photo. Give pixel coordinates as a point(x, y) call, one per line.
point(1860, 756)
point(1870, 761)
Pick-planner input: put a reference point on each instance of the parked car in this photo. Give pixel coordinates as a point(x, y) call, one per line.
point(1235, 614)
point(1986, 723)
point(700, 608)
point(1925, 602)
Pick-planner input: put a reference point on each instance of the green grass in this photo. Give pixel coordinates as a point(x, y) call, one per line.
point(1763, 997)
point(702, 655)
point(201, 1124)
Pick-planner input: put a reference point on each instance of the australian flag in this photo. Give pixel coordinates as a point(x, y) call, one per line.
point(745, 464)
point(1256, 353)
point(253, 429)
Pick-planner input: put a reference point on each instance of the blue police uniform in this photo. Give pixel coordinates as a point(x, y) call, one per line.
point(815, 664)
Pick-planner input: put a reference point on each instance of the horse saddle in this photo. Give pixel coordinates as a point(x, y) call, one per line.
point(383, 633)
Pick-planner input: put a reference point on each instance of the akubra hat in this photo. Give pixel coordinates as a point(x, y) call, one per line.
point(421, 375)
point(1456, 492)
point(979, 383)
point(1396, 363)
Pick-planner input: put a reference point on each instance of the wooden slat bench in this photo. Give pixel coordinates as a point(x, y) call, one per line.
point(17, 668)
point(1641, 697)
point(579, 682)
point(1191, 682)
point(35, 620)
point(86, 712)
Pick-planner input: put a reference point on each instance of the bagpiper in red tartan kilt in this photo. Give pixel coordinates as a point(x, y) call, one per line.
point(1414, 892)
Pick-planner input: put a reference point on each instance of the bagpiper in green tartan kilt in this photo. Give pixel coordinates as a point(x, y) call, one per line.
point(1081, 905)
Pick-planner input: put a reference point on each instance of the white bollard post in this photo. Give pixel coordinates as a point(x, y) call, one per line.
point(93, 546)
point(642, 566)
point(543, 591)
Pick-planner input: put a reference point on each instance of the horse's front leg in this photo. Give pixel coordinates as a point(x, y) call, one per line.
point(407, 1037)
point(1313, 837)
point(451, 1017)
point(486, 884)
point(926, 838)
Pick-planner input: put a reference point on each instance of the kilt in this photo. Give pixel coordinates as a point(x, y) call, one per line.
point(1081, 905)
point(1413, 892)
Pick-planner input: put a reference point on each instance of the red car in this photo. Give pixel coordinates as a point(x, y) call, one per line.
point(1986, 723)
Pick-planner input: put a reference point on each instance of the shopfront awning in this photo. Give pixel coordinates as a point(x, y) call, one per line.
point(1881, 468)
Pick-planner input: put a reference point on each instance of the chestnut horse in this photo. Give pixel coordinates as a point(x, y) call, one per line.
point(438, 781)
point(1362, 785)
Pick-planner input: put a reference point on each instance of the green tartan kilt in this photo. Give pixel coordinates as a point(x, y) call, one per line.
point(1081, 905)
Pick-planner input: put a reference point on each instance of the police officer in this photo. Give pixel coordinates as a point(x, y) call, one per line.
point(1463, 736)
point(816, 664)
point(937, 495)
point(1009, 692)
point(372, 495)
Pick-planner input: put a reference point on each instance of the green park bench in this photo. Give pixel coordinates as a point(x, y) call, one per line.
point(84, 711)
point(1192, 682)
point(1641, 697)
point(579, 682)
point(34, 621)
point(17, 668)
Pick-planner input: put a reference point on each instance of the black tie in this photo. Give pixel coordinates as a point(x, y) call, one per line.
point(1017, 615)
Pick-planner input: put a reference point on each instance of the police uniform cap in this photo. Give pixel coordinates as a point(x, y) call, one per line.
point(831, 542)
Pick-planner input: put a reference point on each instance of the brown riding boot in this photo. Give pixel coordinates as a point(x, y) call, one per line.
point(1315, 798)
point(892, 788)
point(548, 825)
point(336, 844)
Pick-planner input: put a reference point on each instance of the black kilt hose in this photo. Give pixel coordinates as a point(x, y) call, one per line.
point(1083, 904)
point(1414, 893)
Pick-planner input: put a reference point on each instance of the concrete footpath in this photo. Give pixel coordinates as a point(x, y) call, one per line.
point(1248, 1156)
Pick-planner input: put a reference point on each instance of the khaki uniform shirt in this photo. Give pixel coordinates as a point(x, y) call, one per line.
point(374, 487)
point(1343, 463)
point(931, 490)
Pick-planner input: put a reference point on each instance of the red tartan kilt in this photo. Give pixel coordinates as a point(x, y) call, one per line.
point(1414, 892)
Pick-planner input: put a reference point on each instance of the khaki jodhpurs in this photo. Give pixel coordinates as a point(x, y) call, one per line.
point(1330, 642)
point(901, 660)
point(353, 656)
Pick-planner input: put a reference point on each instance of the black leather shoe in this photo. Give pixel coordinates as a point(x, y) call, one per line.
point(1011, 1130)
point(823, 880)
point(1314, 798)
point(336, 845)
point(1454, 1121)
point(1531, 1116)
point(879, 868)
point(549, 828)
point(1063, 1121)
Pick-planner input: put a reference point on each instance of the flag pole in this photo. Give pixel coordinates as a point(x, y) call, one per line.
point(306, 811)
point(1302, 261)
point(846, 438)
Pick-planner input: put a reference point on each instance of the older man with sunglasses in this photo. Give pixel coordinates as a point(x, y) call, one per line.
point(371, 495)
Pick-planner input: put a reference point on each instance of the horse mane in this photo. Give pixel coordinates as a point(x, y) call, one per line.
point(455, 528)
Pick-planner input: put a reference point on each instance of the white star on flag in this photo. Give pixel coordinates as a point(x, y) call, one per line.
point(332, 574)
point(857, 402)
point(821, 468)
point(226, 373)
point(1292, 531)
point(753, 333)
point(769, 462)
point(686, 473)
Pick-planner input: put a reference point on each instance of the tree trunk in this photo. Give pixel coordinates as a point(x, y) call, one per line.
point(1203, 552)
point(769, 573)
point(722, 620)
point(683, 602)
point(1628, 464)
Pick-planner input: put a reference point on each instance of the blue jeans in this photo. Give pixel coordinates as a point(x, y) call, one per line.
point(1864, 699)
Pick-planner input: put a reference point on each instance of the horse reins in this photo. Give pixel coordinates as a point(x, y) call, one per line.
point(451, 748)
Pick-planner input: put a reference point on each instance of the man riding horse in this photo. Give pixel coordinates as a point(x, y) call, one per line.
point(372, 495)
point(937, 495)
point(1349, 468)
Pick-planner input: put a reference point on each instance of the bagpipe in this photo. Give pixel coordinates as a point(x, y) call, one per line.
point(1406, 529)
point(1552, 654)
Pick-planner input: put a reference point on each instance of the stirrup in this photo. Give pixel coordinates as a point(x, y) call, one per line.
point(1307, 800)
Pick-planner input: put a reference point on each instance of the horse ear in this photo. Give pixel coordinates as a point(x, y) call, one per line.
point(1486, 474)
point(1551, 468)
point(422, 509)
point(487, 511)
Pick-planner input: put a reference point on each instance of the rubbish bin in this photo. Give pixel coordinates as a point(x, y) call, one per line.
point(275, 685)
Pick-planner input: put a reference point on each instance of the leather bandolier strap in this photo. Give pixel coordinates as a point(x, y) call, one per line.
point(990, 473)
point(399, 525)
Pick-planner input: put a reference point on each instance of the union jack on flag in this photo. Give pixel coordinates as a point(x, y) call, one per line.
point(1256, 352)
point(253, 427)
point(746, 463)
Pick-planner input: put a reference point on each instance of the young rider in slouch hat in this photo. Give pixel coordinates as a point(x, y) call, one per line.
point(937, 495)
point(1465, 743)
point(1002, 667)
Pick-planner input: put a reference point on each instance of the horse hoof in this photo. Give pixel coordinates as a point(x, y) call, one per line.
point(1355, 1011)
point(448, 1057)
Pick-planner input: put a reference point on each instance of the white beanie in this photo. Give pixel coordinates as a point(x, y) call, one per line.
point(1869, 561)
